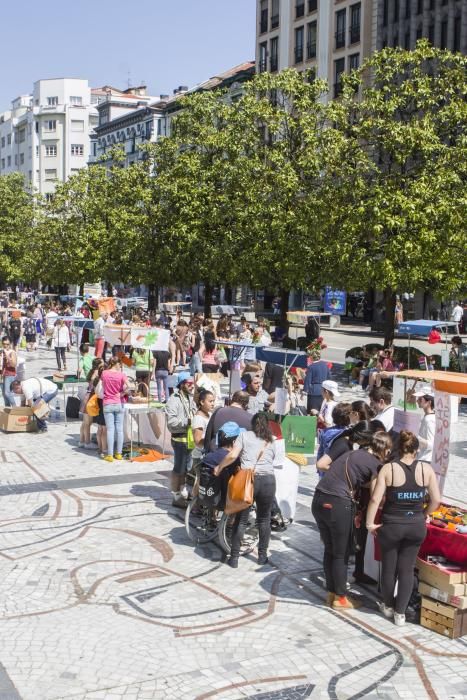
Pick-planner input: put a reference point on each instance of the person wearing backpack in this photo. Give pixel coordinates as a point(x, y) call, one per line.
point(14, 330)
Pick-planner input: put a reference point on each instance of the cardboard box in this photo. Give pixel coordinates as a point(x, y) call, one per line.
point(17, 420)
point(457, 601)
point(441, 577)
point(444, 619)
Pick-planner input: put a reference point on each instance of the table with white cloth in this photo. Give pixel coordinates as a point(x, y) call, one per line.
point(287, 474)
point(146, 424)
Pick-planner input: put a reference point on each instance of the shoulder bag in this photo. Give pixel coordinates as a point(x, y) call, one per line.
point(356, 516)
point(240, 490)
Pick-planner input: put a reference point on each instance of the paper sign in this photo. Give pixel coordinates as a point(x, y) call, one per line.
point(335, 301)
point(150, 338)
point(440, 460)
point(445, 358)
point(280, 401)
point(406, 420)
point(117, 335)
point(409, 386)
point(299, 433)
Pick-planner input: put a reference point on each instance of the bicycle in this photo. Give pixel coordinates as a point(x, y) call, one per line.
point(206, 523)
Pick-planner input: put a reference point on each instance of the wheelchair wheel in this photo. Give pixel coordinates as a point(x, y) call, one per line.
point(201, 523)
point(250, 538)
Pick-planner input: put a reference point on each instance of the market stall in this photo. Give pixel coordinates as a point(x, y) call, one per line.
point(146, 424)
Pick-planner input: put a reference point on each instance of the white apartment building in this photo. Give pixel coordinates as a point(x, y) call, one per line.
point(46, 135)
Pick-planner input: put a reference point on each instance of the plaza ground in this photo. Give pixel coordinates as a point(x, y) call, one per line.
point(103, 596)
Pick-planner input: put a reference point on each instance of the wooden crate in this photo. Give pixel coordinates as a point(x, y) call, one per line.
point(444, 619)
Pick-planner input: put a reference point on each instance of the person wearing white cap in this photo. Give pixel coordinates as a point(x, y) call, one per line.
point(426, 432)
point(330, 392)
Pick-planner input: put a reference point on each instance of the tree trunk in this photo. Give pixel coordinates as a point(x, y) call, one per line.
point(109, 289)
point(207, 299)
point(153, 296)
point(284, 296)
point(228, 294)
point(81, 289)
point(389, 305)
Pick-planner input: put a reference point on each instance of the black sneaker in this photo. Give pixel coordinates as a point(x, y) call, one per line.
point(262, 560)
point(233, 562)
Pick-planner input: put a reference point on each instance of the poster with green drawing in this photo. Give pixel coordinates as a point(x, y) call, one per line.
point(299, 433)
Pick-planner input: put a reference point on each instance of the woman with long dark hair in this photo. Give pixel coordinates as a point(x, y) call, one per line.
point(332, 507)
point(405, 483)
point(257, 450)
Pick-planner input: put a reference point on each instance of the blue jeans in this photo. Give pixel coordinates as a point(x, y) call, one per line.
point(7, 393)
point(195, 364)
point(182, 458)
point(113, 416)
point(162, 380)
point(47, 397)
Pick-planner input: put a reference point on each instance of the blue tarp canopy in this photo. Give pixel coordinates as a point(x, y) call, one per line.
point(423, 327)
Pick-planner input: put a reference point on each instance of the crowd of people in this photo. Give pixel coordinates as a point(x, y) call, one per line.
point(360, 459)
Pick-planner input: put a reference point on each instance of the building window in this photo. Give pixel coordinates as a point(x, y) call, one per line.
point(457, 34)
point(355, 15)
point(3, 163)
point(312, 5)
point(431, 33)
point(408, 8)
point(76, 100)
point(311, 40)
point(52, 101)
point(354, 62)
point(50, 175)
point(37, 151)
point(49, 196)
point(16, 159)
point(299, 32)
point(77, 149)
point(339, 68)
point(299, 8)
point(444, 34)
point(275, 14)
point(263, 53)
point(8, 139)
point(21, 158)
point(3, 142)
point(51, 151)
point(274, 54)
point(340, 29)
point(385, 13)
point(396, 10)
point(419, 33)
point(50, 125)
point(263, 16)
point(407, 41)
point(77, 125)
point(21, 135)
point(419, 7)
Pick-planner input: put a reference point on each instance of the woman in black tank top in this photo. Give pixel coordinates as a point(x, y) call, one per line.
point(405, 484)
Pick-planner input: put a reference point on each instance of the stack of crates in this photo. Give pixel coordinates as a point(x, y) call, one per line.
point(444, 598)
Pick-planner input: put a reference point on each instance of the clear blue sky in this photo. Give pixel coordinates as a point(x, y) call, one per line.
point(166, 43)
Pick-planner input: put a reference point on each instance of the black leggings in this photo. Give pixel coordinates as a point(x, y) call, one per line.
point(265, 490)
point(333, 516)
point(400, 543)
point(61, 357)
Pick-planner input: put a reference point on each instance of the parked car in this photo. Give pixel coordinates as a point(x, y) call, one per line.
point(135, 303)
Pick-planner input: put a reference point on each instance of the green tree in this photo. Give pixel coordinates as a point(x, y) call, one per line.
point(399, 201)
point(17, 219)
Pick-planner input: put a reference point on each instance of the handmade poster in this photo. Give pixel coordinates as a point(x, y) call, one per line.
point(335, 301)
point(440, 460)
point(280, 401)
point(117, 335)
point(106, 304)
point(299, 433)
point(406, 420)
point(150, 338)
point(410, 386)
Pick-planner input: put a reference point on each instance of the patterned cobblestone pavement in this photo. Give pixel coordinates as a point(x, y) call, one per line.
point(103, 596)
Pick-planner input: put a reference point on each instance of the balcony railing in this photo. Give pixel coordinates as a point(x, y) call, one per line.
point(274, 63)
point(311, 50)
point(354, 33)
point(340, 38)
point(298, 54)
point(300, 9)
point(274, 21)
point(312, 5)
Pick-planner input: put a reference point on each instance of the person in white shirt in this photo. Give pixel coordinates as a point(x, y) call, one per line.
point(330, 392)
point(456, 315)
point(381, 402)
point(50, 319)
point(426, 432)
point(33, 390)
point(62, 342)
